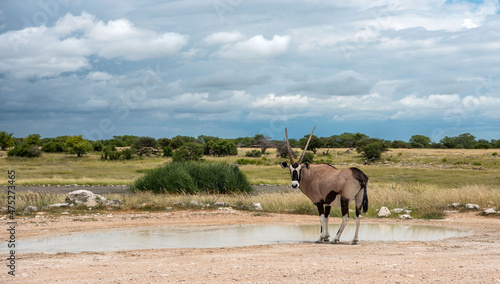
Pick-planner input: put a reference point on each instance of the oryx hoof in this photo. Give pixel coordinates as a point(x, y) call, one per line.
point(354, 242)
point(334, 242)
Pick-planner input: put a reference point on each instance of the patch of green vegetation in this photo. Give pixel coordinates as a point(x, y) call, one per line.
point(192, 177)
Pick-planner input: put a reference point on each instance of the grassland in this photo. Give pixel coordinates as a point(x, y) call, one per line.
point(424, 180)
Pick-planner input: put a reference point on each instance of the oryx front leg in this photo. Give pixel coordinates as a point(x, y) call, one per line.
point(344, 203)
point(324, 236)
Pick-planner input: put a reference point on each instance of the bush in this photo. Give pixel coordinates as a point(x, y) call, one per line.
point(53, 147)
point(77, 145)
point(253, 153)
point(189, 152)
point(373, 151)
point(191, 177)
point(25, 150)
point(309, 157)
point(222, 147)
point(127, 154)
point(167, 151)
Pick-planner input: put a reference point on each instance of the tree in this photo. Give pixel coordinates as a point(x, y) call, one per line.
point(262, 142)
point(420, 141)
point(373, 150)
point(53, 146)
point(189, 152)
point(33, 139)
point(466, 140)
point(164, 142)
point(348, 140)
point(222, 147)
point(449, 142)
point(77, 145)
point(482, 144)
point(399, 144)
point(6, 140)
point(179, 140)
point(143, 142)
point(314, 144)
point(25, 150)
point(282, 150)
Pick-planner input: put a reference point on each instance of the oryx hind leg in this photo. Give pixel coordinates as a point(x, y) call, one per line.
point(359, 203)
point(344, 205)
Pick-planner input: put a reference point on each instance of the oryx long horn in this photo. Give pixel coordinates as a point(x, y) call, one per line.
point(307, 144)
point(289, 148)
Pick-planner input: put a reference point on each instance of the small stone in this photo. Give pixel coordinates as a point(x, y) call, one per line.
point(455, 205)
point(384, 212)
point(30, 209)
point(58, 205)
point(257, 206)
point(220, 204)
point(489, 211)
point(398, 210)
point(405, 216)
point(472, 206)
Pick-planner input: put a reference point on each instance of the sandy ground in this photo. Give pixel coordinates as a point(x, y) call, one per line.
point(474, 258)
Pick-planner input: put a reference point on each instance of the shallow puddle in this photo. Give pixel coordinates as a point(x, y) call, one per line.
point(227, 236)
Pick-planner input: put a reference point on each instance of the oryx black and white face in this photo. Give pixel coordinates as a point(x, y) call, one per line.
point(296, 168)
point(295, 171)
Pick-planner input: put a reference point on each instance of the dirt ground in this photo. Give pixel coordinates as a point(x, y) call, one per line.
point(474, 258)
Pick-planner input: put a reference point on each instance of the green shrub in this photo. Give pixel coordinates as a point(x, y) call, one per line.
point(192, 177)
point(53, 147)
point(309, 157)
point(127, 154)
point(167, 151)
point(373, 150)
point(25, 150)
point(189, 152)
point(253, 153)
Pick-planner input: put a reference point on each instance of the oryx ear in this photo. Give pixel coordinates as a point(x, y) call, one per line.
point(307, 165)
point(284, 165)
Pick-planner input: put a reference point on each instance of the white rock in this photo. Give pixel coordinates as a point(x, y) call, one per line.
point(81, 197)
point(384, 212)
point(58, 205)
point(405, 216)
point(489, 211)
point(220, 204)
point(472, 206)
point(398, 210)
point(30, 209)
point(257, 206)
point(455, 205)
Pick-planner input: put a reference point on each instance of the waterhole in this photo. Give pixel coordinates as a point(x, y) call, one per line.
point(226, 236)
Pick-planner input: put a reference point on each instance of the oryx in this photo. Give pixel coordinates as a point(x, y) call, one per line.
point(328, 186)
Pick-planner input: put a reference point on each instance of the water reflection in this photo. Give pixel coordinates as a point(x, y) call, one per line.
point(245, 235)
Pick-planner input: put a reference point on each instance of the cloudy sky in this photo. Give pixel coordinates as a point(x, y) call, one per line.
point(232, 68)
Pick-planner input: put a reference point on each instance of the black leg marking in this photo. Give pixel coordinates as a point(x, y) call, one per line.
point(327, 210)
point(358, 211)
point(321, 209)
point(330, 197)
point(344, 204)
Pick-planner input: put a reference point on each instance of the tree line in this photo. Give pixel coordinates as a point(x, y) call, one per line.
point(191, 148)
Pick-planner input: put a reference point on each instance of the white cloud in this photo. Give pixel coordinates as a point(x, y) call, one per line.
point(99, 76)
point(255, 48)
point(431, 101)
point(223, 37)
point(65, 47)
